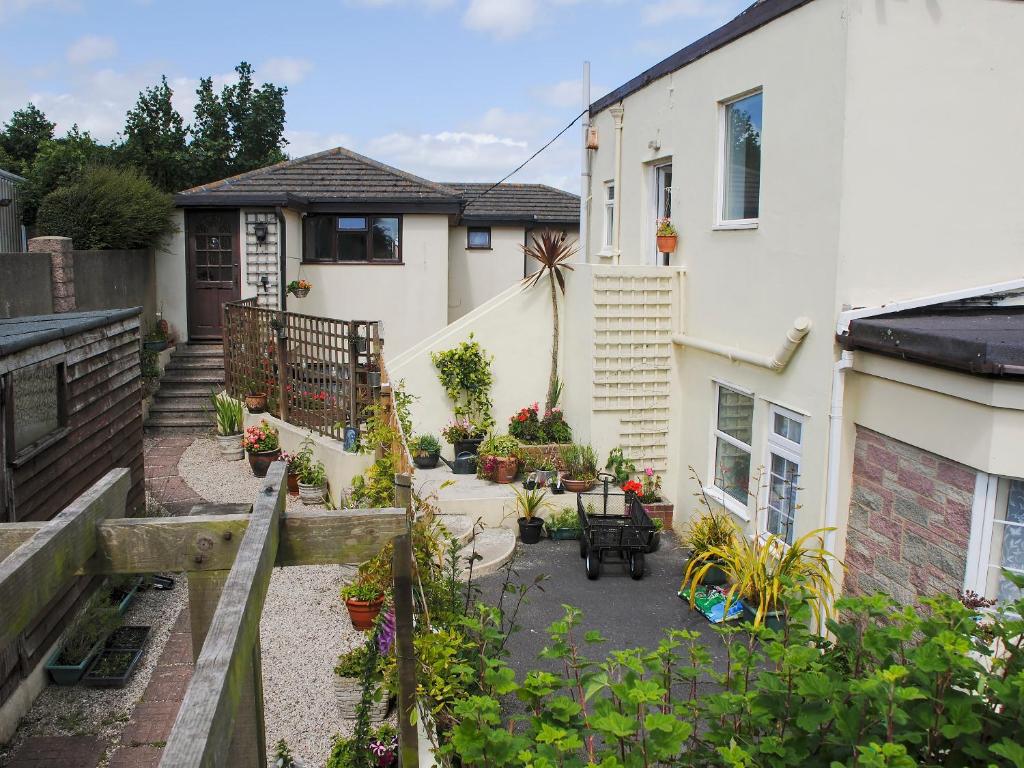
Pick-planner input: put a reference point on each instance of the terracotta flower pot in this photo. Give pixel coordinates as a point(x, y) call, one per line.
point(667, 243)
point(256, 402)
point(363, 612)
point(505, 469)
point(293, 484)
point(260, 462)
point(578, 486)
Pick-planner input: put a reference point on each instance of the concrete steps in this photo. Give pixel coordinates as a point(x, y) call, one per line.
point(495, 546)
point(181, 406)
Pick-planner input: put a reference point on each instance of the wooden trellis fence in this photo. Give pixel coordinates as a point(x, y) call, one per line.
point(318, 372)
point(228, 561)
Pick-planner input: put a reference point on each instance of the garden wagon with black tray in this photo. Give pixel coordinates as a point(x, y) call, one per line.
point(615, 528)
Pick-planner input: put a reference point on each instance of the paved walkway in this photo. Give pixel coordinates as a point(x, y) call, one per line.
point(140, 744)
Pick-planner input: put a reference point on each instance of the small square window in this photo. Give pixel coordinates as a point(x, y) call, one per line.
point(478, 237)
point(352, 223)
point(37, 394)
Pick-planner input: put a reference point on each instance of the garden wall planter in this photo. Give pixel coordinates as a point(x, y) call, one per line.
point(260, 462)
point(123, 598)
point(363, 612)
point(69, 674)
point(530, 529)
point(349, 691)
point(563, 534)
point(112, 668)
point(534, 454)
point(256, 403)
point(425, 460)
point(660, 510)
point(312, 494)
point(131, 637)
point(468, 446)
point(230, 447)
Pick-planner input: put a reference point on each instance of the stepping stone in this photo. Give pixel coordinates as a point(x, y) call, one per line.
point(63, 751)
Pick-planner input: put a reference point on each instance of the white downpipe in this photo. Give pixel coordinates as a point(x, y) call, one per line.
point(835, 446)
point(585, 191)
point(776, 362)
point(617, 113)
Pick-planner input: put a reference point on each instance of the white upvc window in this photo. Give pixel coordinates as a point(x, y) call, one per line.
point(997, 537)
point(785, 439)
point(739, 162)
point(732, 433)
point(609, 216)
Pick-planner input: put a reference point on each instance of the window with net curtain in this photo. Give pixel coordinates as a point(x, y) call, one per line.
point(1007, 548)
point(742, 161)
point(733, 432)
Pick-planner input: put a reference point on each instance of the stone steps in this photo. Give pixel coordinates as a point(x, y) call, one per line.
point(495, 546)
point(181, 406)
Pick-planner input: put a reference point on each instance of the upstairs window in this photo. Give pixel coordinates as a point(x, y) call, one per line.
point(352, 239)
point(478, 238)
point(741, 161)
point(609, 215)
point(734, 426)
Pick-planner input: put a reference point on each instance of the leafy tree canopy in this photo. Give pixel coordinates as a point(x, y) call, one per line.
point(21, 138)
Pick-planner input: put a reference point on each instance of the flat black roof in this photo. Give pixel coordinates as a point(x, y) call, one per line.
point(986, 341)
point(18, 333)
point(757, 15)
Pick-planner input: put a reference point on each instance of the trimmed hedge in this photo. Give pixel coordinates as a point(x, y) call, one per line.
point(107, 208)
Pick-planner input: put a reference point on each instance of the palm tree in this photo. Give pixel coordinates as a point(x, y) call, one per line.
point(552, 252)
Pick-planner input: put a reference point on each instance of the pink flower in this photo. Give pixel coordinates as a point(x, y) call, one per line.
point(649, 471)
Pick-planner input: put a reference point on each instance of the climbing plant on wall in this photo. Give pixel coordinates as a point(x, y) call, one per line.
point(465, 374)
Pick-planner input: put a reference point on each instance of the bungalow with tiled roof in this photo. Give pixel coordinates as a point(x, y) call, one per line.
point(374, 241)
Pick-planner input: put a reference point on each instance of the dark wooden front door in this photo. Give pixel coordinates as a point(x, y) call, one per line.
point(214, 269)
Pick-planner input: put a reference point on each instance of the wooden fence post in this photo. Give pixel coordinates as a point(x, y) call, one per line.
point(282, 372)
point(405, 653)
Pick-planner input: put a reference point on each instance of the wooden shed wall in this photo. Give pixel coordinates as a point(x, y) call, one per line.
point(104, 416)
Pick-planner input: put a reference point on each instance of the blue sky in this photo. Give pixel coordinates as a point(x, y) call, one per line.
point(455, 90)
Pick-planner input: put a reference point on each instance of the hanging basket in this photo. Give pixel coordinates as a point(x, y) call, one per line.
point(300, 293)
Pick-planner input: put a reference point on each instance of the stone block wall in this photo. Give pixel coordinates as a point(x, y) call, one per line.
point(910, 520)
point(262, 259)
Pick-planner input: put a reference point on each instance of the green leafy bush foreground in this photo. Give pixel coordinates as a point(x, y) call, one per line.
point(896, 686)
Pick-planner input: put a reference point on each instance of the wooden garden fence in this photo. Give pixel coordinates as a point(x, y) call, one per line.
point(228, 559)
point(318, 372)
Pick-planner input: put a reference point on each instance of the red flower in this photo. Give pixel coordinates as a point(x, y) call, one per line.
point(632, 487)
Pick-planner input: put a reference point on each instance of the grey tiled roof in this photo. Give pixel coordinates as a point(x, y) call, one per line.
point(335, 174)
point(519, 202)
point(18, 333)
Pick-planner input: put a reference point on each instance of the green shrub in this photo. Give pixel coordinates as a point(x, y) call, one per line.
point(565, 518)
point(424, 444)
point(107, 208)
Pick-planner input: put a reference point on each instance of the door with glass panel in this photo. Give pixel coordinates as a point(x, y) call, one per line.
point(662, 204)
point(212, 261)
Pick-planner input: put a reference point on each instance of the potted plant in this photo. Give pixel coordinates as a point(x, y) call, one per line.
point(262, 446)
point(564, 524)
point(156, 340)
point(499, 458)
point(299, 288)
point(464, 436)
point(348, 685)
point(761, 570)
point(540, 436)
point(425, 451)
point(363, 599)
point(655, 505)
point(291, 471)
point(122, 590)
point(373, 372)
point(667, 236)
point(709, 530)
point(545, 471)
point(655, 544)
point(580, 464)
point(255, 396)
point(113, 666)
point(529, 503)
point(83, 640)
point(229, 417)
point(312, 482)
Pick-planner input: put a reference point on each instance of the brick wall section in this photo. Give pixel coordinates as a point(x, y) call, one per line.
point(261, 258)
point(62, 269)
point(910, 520)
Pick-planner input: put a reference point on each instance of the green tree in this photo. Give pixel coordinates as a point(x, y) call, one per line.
point(107, 207)
point(22, 136)
point(257, 121)
point(211, 147)
point(57, 163)
point(155, 138)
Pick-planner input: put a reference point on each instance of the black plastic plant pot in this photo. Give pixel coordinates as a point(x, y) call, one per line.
point(112, 668)
point(425, 460)
point(128, 638)
point(467, 446)
point(530, 529)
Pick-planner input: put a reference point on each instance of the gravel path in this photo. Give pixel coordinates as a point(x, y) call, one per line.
point(304, 628)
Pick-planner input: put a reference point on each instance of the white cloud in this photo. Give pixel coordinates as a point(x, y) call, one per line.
point(90, 48)
point(567, 94)
point(666, 10)
point(285, 70)
point(505, 19)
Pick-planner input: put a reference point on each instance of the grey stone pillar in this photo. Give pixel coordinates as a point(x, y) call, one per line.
point(62, 269)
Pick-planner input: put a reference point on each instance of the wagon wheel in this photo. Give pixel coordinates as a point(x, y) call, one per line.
point(636, 565)
point(593, 565)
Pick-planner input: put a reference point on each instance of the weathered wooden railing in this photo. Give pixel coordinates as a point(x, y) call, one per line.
point(228, 561)
point(400, 446)
point(318, 372)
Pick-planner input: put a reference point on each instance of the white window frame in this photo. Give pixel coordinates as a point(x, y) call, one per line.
point(608, 229)
point(721, 223)
point(713, 492)
point(787, 449)
point(658, 197)
point(983, 516)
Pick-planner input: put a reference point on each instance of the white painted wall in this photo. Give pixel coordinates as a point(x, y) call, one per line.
point(411, 299)
point(476, 275)
point(169, 257)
